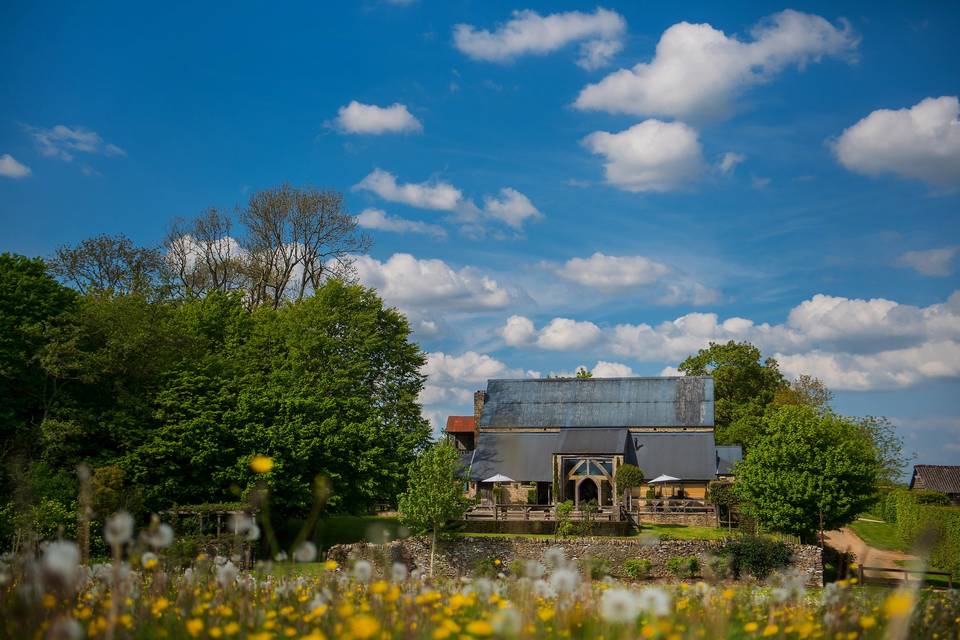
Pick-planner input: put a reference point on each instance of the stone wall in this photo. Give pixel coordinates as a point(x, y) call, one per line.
point(689, 519)
point(462, 555)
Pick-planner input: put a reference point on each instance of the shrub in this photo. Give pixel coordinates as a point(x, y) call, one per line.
point(932, 498)
point(683, 566)
point(532, 496)
point(596, 568)
point(937, 526)
point(637, 568)
point(564, 526)
point(651, 493)
point(718, 567)
point(757, 556)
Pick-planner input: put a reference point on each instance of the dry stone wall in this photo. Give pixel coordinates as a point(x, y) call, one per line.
point(462, 556)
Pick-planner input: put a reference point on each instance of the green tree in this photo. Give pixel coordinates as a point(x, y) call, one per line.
point(744, 385)
point(805, 390)
point(887, 445)
point(628, 478)
point(434, 494)
point(808, 472)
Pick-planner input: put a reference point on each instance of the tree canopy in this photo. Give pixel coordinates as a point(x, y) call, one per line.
point(744, 384)
point(806, 469)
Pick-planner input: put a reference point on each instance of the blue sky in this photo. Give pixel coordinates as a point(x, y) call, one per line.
point(548, 184)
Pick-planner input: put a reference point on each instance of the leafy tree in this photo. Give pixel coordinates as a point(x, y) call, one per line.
point(30, 301)
point(108, 265)
point(584, 373)
point(627, 478)
point(743, 387)
point(887, 445)
point(805, 390)
point(808, 472)
point(434, 494)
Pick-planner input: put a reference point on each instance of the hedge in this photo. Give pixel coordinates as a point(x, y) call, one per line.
point(941, 523)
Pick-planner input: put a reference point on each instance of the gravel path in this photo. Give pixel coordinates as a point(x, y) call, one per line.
point(846, 540)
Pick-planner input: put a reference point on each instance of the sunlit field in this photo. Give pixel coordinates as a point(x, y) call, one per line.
point(145, 595)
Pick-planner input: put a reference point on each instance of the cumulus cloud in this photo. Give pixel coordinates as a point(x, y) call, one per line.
point(379, 220)
point(699, 71)
point(512, 208)
point(611, 273)
point(424, 195)
point(649, 156)
point(518, 331)
point(604, 369)
point(930, 262)
point(10, 168)
point(529, 33)
point(922, 142)
point(357, 117)
point(564, 334)
point(411, 284)
point(728, 163)
point(64, 142)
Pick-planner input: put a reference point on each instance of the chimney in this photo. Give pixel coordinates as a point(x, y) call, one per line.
point(478, 399)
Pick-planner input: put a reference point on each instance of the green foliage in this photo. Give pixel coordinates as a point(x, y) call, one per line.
point(584, 373)
point(532, 496)
point(683, 566)
point(932, 498)
point(596, 568)
point(743, 387)
point(719, 567)
point(434, 495)
point(932, 527)
point(628, 478)
point(720, 493)
point(637, 568)
point(565, 527)
point(757, 556)
point(807, 467)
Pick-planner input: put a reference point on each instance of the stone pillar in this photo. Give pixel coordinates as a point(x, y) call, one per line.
point(478, 399)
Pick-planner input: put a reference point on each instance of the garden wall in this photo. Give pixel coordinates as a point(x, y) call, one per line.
point(688, 519)
point(463, 555)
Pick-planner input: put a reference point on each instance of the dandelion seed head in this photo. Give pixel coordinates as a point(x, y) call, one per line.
point(362, 571)
point(306, 551)
point(619, 606)
point(119, 528)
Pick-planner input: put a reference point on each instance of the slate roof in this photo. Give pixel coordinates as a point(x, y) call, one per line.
point(599, 402)
point(688, 455)
point(525, 457)
point(942, 478)
point(727, 456)
point(461, 424)
point(592, 441)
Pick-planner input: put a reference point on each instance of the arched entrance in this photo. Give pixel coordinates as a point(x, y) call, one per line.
point(589, 491)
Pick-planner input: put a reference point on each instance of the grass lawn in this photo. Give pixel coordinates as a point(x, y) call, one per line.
point(880, 535)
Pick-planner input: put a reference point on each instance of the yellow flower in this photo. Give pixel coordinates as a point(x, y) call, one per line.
point(48, 601)
point(261, 464)
point(330, 565)
point(545, 613)
point(728, 593)
point(231, 628)
point(867, 622)
point(160, 605)
point(898, 604)
point(479, 628)
point(364, 626)
point(378, 587)
point(750, 627)
point(770, 629)
point(315, 635)
point(194, 627)
point(441, 634)
point(215, 632)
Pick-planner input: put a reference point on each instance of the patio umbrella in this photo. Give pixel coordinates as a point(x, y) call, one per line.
point(664, 479)
point(497, 479)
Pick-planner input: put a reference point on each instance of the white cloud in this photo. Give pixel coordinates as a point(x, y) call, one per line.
point(424, 195)
point(518, 330)
point(512, 208)
point(930, 262)
point(728, 163)
point(921, 142)
point(604, 369)
point(414, 284)
point(527, 32)
point(470, 367)
point(611, 273)
point(63, 142)
point(379, 220)
point(759, 182)
point(357, 117)
point(10, 168)
point(698, 70)
point(564, 334)
point(649, 156)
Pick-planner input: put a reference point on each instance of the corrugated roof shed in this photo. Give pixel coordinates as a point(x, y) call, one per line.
point(942, 478)
point(525, 457)
point(461, 424)
point(688, 456)
point(599, 402)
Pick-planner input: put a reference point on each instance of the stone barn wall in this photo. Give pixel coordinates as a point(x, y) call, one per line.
point(461, 556)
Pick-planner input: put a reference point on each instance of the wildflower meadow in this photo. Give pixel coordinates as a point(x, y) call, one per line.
point(143, 593)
